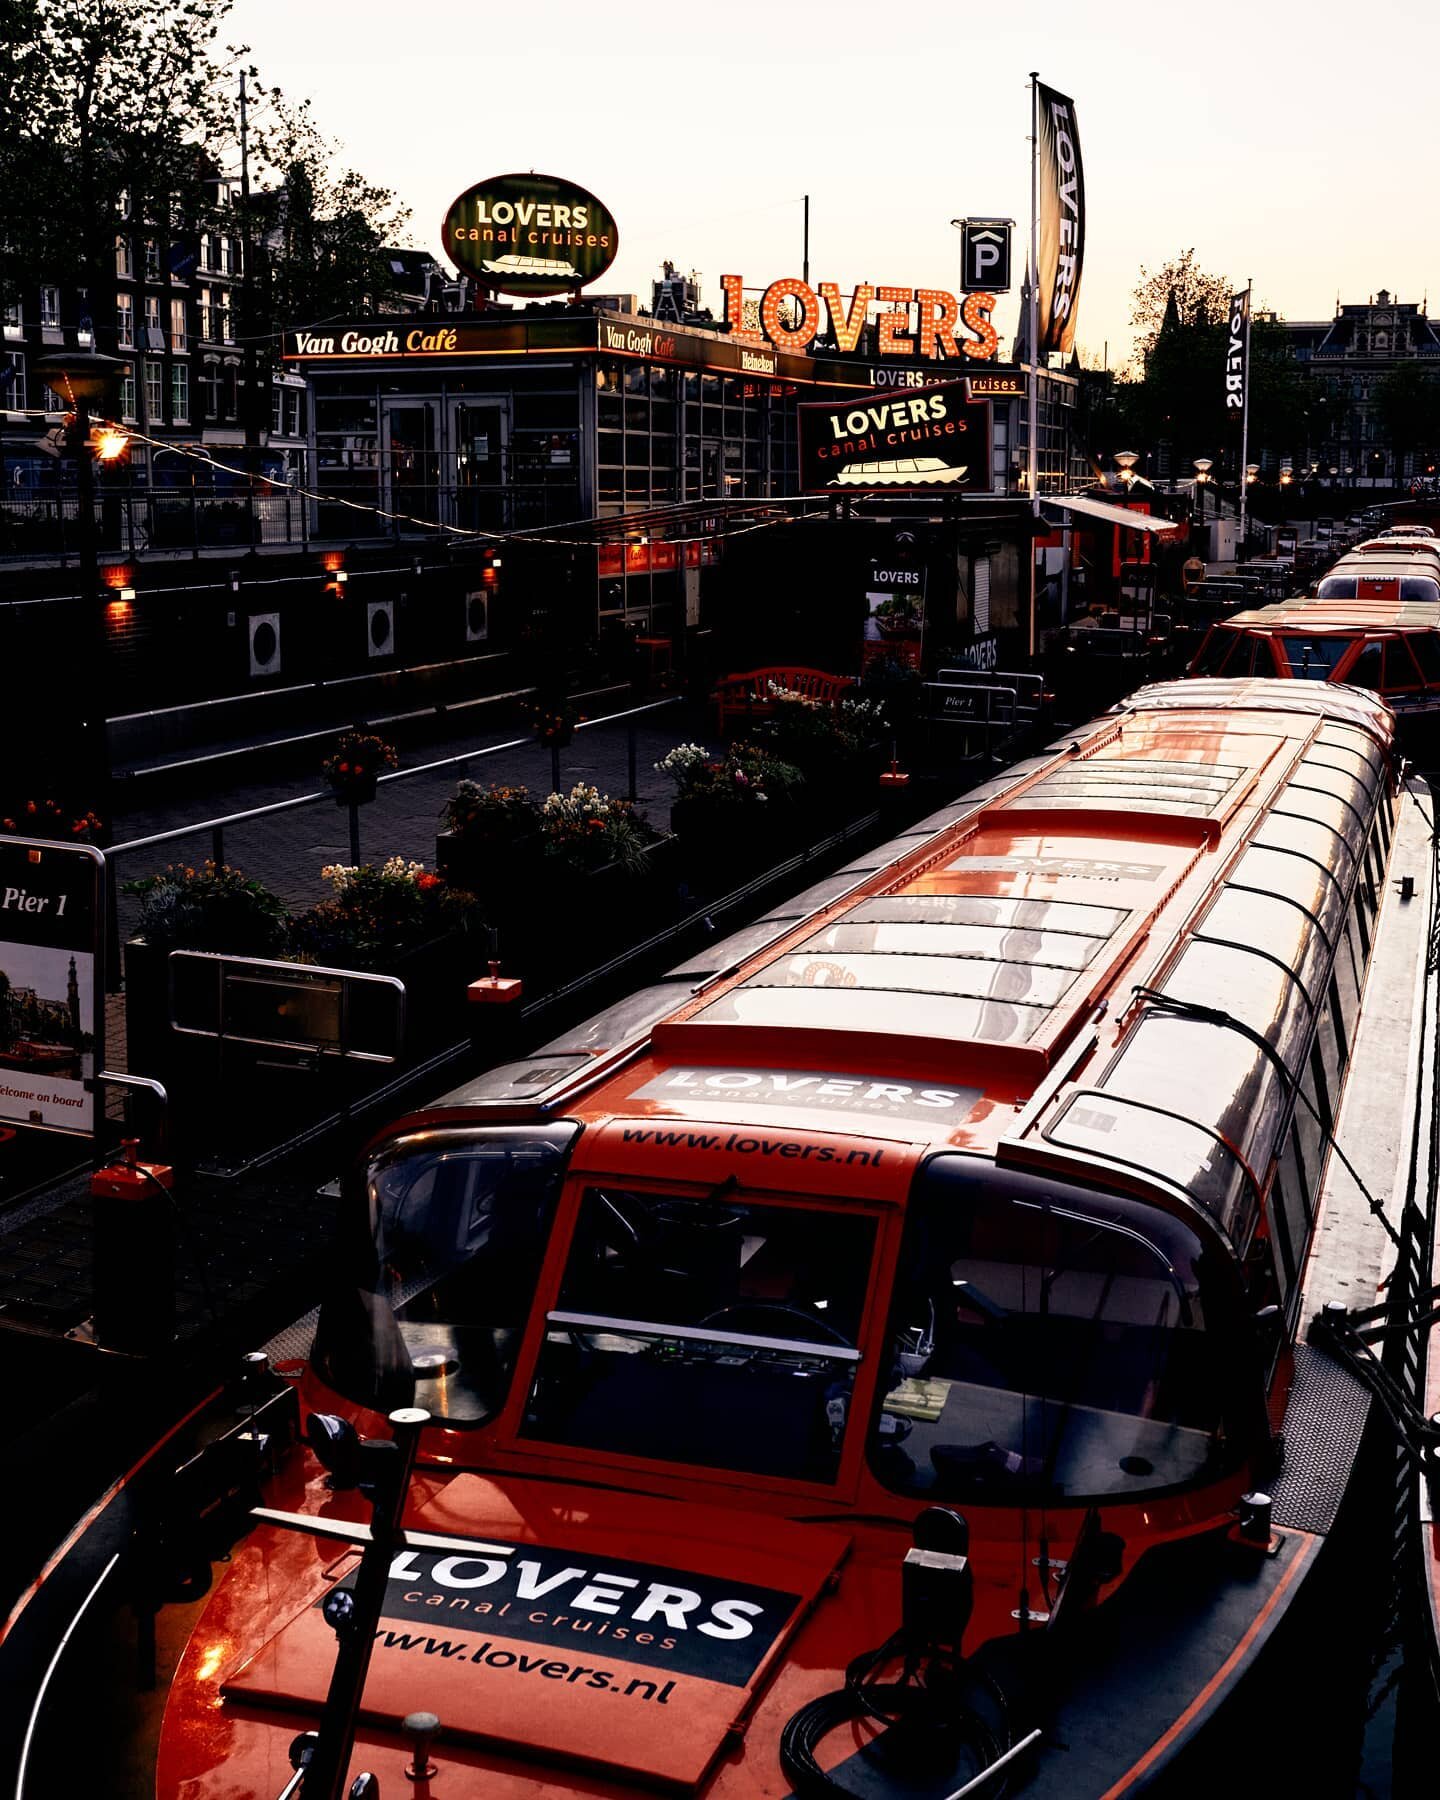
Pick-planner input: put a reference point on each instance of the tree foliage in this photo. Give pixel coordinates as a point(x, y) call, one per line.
point(120, 117)
point(1180, 289)
point(113, 106)
point(319, 230)
point(1407, 399)
point(1181, 315)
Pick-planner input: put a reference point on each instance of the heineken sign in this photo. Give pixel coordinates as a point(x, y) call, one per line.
point(530, 235)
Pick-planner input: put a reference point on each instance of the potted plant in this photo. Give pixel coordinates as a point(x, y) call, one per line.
point(589, 830)
point(554, 722)
point(731, 810)
point(206, 907)
point(354, 767)
point(398, 919)
point(830, 743)
point(489, 834)
point(48, 819)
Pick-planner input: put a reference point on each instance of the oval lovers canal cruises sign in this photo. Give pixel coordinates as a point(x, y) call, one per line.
point(530, 235)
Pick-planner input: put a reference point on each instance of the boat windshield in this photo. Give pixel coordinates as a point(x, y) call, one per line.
point(716, 1332)
point(1311, 656)
point(1043, 1347)
point(440, 1268)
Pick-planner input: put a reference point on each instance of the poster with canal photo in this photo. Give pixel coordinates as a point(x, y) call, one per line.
point(47, 1051)
point(48, 1037)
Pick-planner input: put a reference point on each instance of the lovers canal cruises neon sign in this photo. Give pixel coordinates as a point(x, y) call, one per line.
point(530, 235)
point(924, 323)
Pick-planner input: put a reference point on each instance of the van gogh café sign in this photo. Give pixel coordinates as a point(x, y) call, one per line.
point(536, 236)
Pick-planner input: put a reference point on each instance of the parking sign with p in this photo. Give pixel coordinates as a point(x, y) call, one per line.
point(985, 255)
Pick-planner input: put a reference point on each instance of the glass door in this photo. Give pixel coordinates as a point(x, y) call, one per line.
point(411, 459)
point(480, 439)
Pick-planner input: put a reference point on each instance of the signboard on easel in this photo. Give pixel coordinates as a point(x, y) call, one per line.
point(51, 992)
point(894, 612)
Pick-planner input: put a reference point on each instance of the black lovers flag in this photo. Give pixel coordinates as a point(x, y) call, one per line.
point(1062, 221)
point(1237, 353)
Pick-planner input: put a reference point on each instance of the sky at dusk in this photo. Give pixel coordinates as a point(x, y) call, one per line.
point(1273, 138)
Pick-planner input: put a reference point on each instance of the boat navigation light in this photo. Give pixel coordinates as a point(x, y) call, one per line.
point(420, 1728)
point(338, 1608)
point(336, 1444)
point(1252, 1518)
point(302, 1752)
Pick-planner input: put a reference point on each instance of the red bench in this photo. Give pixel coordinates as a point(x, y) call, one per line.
point(748, 696)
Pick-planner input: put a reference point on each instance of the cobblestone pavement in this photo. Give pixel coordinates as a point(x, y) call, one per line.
point(287, 851)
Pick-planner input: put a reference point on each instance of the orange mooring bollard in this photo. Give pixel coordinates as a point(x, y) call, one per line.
point(134, 1256)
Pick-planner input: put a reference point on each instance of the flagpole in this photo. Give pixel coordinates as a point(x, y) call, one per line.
point(1033, 384)
point(1245, 420)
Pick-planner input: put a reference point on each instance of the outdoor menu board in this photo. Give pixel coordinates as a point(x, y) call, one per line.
point(50, 912)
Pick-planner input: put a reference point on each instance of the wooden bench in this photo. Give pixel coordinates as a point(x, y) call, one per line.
point(748, 696)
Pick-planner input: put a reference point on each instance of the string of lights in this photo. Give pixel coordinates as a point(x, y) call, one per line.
point(786, 513)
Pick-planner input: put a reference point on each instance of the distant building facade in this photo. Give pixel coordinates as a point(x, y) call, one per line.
point(1345, 359)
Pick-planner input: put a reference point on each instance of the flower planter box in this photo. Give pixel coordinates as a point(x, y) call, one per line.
point(564, 919)
point(720, 844)
point(436, 975)
point(356, 790)
point(477, 865)
point(150, 1045)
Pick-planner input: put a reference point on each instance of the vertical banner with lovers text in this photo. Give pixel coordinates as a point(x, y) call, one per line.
point(1062, 221)
point(1237, 353)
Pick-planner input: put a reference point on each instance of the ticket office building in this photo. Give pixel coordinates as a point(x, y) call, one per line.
point(538, 422)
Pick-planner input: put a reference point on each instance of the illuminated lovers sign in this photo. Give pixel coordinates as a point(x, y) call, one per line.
point(920, 322)
point(530, 235)
point(931, 437)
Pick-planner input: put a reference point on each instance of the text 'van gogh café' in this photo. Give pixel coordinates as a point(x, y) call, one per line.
point(637, 452)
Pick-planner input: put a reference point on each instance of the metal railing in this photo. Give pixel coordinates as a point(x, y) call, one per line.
point(193, 507)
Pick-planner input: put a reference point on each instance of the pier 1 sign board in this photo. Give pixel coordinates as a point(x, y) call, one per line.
point(916, 438)
point(50, 919)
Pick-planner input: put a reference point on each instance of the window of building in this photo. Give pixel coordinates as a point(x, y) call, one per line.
point(154, 338)
point(127, 396)
point(152, 259)
point(230, 389)
point(223, 321)
point(12, 380)
point(277, 396)
point(294, 412)
point(205, 250)
point(125, 320)
point(210, 389)
point(124, 266)
point(50, 306)
point(179, 393)
point(155, 392)
point(178, 329)
point(14, 319)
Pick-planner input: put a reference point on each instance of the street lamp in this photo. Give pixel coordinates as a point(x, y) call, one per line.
point(1203, 466)
point(86, 378)
point(1125, 461)
point(1252, 474)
